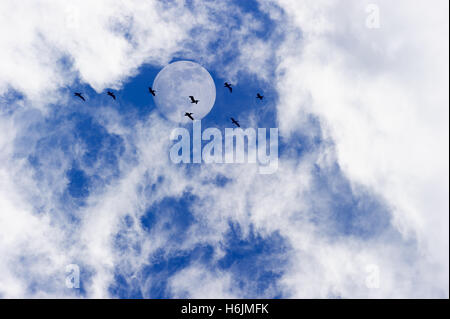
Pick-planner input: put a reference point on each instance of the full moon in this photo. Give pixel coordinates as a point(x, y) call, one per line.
point(175, 83)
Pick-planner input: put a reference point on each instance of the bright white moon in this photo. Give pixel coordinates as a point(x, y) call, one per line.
point(176, 82)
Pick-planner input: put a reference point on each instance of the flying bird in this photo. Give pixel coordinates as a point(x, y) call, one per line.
point(259, 96)
point(79, 95)
point(235, 122)
point(189, 115)
point(111, 94)
point(228, 85)
point(193, 100)
point(152, 92)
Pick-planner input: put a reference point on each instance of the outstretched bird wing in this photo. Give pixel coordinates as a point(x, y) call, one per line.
point(192, 98)
point(80, 96)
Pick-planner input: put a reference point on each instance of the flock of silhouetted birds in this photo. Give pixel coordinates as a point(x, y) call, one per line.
point(193, 100)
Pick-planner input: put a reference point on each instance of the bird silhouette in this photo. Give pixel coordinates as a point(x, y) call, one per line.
point(79, 95)
point(189, 115)
point(228, 85)
point(235, 122)
point(152, 92)
point(259, 96)
point(111, 94)
point(193, 100)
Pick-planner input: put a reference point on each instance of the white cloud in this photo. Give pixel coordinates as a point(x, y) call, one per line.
point(37, 37)
point(197, 282)
point(381, 98)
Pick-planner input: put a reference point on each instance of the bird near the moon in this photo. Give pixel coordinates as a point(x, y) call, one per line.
point(184, 87)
